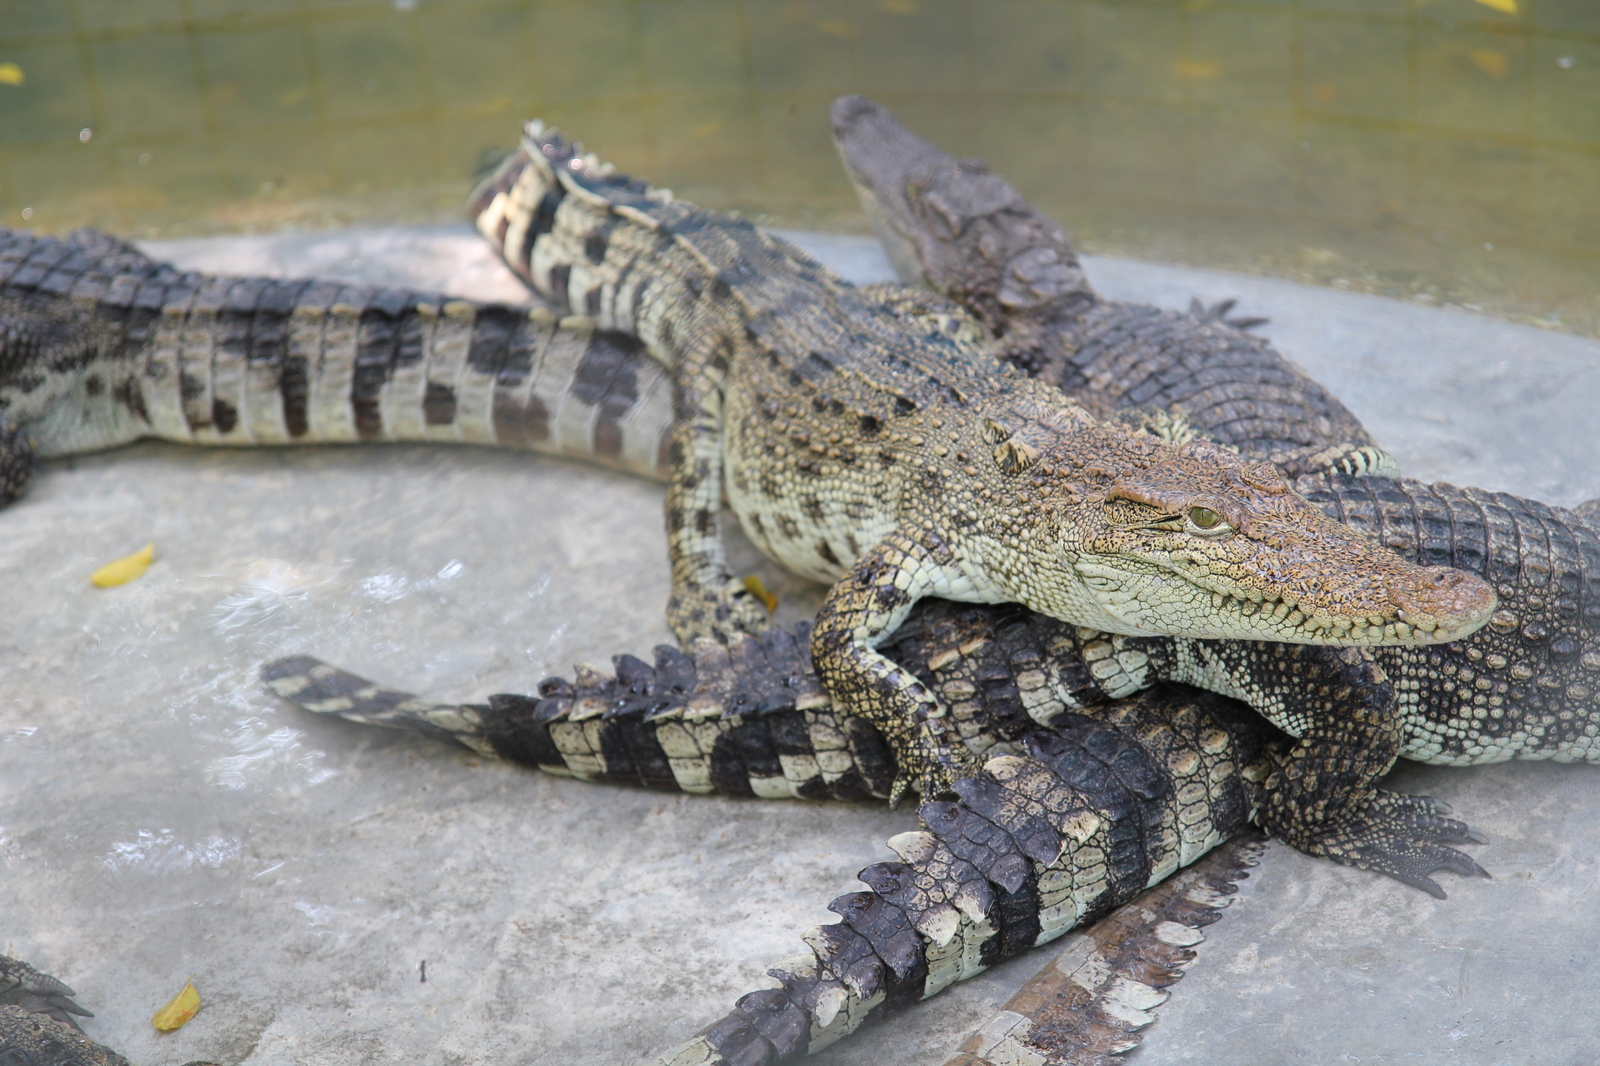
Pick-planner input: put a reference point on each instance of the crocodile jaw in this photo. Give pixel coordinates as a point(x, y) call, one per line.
point(1143, 598)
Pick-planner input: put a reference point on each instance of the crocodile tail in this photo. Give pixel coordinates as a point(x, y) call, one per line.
point(223, 360)
point(1087, 1005)
point(748, 719)
point(1034, 846)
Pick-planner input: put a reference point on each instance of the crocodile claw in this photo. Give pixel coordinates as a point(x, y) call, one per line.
point(1403, 837)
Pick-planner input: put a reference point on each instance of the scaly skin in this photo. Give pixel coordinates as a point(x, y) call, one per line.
point(952, 225)
point(100, 346)
point(902, 462)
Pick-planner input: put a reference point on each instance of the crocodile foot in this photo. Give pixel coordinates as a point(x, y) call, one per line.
point(930, 760)
point(1403, 837)
point(721, 613)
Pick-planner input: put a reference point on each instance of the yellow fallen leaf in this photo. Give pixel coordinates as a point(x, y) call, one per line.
point(1507, 6)
point(1489, 61)
point(899, 7)
point(754, 587)
point(11, 74)
point(835, 28)
point(123, 570)
point(184, 1005)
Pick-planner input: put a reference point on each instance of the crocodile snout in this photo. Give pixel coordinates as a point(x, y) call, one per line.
point(1447, 603)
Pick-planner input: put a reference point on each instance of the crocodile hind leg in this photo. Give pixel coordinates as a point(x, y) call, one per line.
point(16, 461)
point(869, 603)
point(707, 600)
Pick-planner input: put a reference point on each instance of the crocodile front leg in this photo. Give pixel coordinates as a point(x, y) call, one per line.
point(707, 601)
point(864, 609)
point(1324, 800)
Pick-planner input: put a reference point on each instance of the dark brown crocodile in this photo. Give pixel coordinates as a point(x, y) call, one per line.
point(963, 231)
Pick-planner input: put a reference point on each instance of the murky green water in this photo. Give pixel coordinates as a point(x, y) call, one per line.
point(1444, 150)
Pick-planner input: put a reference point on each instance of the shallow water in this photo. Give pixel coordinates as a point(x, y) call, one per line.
point(1447, 151)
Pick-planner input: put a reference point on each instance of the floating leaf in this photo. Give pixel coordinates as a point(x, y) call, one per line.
point(11, 74)
point(123, 570)
point(1489, 61)
point(1509, 7)
point(835, 28)
point(184, 1005)
point(753, 585)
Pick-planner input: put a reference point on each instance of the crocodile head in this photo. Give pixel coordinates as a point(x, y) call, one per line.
point(1195, 540)
point(929, 210)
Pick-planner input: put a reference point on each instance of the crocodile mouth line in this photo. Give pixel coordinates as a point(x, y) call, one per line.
point(1281, 617)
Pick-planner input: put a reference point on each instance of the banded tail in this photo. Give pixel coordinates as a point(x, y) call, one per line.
point(1036, 845)
point(100, 345)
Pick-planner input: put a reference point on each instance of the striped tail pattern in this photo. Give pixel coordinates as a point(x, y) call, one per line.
point(748, 718)
point(1091, 814)
point(101, 346)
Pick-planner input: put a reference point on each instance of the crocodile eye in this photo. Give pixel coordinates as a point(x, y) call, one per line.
point(1204, 517)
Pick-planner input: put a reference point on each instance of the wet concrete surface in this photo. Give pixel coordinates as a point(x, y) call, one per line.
point(164, 817)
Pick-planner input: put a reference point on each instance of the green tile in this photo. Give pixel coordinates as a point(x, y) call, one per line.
point(1356, 66)
point(1242, 58)
point(210, 11)
point(382, 155)
point(1133, 53)
point(148, 85)
point(1134, 151)
point(804, 44)
point(1473, 187)
point(480, 57)
point(152, 175)
point(471, 142)
point(52, 103)
point(1562, 197)
point(52, 179)
point(586, 51)
point(129, 14)
point(1025, 46)
point(796, 151)
point(1582, 16)
point(914, 46)
point(257, 76)
point(368, 67)
point(693, 46)
point(1471, 80)
point(705, 146)
point(292, 157)
point(1355, 174)
point(1249, 163)
point(1035, 144)
point(1566, 89)
point(24, 18)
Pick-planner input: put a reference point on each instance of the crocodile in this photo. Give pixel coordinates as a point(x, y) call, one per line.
point(959, 229)
point(1167, 775)
point(1518, 689)
point(901, 462)
point(102, 346)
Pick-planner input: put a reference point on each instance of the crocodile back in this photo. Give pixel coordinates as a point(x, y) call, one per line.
point(1524, 686)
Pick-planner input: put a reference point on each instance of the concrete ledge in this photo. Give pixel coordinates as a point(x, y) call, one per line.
point(165, 817)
